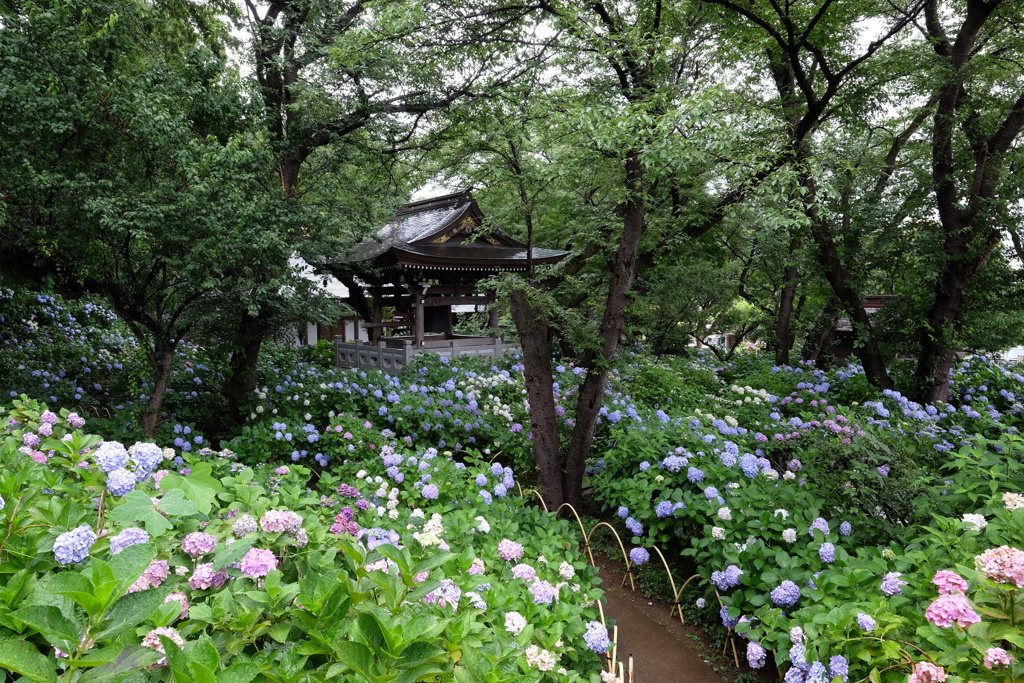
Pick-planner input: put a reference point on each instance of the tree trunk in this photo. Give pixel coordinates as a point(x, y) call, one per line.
point(241, 381)
point(591, 394)
point(162, 362)
point(784, 321)
point(532, 324)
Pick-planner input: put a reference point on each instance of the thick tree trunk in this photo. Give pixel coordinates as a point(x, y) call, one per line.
point(162, 362)
point(241, 382)
point(784, 336)
point(591, 394)
point(532, 324)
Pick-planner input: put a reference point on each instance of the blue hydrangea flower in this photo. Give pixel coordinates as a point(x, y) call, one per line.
point(664, 508)
point(749, 465)
point(820, 524)
point(431, 492)
point(110, 456)
point(74, 545)
point(892, 584)
point(636, 527)
point(486, 495)
point(596, 637)
point(639, 555)
point(481, 480)
point(146, 456)
point(817, 673)
point(623, 512)
point(846, 528)
point(121, 482)
point(500, 491)
point(694, 475)
point(786, 594)
point(128, 537)
point(727, 621)
point(644, 466)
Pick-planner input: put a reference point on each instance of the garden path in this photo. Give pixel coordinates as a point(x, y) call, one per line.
point(661, 651)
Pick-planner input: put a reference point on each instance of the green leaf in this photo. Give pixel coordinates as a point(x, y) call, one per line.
point(100, 656)
point(130, 611)
point(229, 554)
point(59, 630)
point(132, 562)
point(199, 486)
point(138, 508)
point(173, 503)
point(357, 656)
point(205, 652)
point(23, 658)
point(242, 672)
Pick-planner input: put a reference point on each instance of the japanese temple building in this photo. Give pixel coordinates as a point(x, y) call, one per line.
point(431, 257)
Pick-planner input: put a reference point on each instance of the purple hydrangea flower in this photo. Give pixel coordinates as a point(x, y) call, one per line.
point(623, 512)
point(634, 526)
point(431, 492)
point(727, 621)
point(639, 556)
point(128, 537)
point(481, 480)
point(664, 508)
point(74, 545)
point(258, 562)
point(694, 475)
point(846, 528)
point(146, 456)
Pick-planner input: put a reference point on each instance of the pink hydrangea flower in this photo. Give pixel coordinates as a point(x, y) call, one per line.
point(283, 470)
point(947, 609)
point(154, 575)
point(199, 543)
point(1003, 565)
point(258, 562)
point(510, 550)
point(152, 640)
point(949, 582)
point(997, 656)
point(276, 521)
point(182, 599)
point(524, 571)
point(477, 567)
point(204, 577)
point(926, 672)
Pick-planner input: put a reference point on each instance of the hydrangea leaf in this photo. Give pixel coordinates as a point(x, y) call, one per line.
point(22, 657)
point(199, 486)
point(132, 562)
point(229, 554)
point(174, 504)
point(130, 611)
point(58, 629)
point(138, 508)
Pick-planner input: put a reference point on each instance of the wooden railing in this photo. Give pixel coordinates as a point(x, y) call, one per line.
point(396, 354)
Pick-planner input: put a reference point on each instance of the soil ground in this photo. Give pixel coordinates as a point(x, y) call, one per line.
point(663, 650)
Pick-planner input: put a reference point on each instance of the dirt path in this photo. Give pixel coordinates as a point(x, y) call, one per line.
point(663, 650)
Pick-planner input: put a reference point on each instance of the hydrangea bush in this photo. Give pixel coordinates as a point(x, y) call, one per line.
point(214, 570)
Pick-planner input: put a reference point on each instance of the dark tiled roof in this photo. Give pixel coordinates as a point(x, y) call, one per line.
point(408, 227)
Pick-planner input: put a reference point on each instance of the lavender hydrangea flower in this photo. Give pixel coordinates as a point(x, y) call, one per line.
point(204, 577)
point(596, 637)
point(817, 673)
point(543, 592)
point(730, 578)
point(120, 482)
point(128, 537)
point(820, 524)
point(634, 526)
point(756, 655)
point(786, 594)
point(827, 553)
point(892, 584)
point(481, 480)
point(866, 622)
point(727, 621)
point(622, 512)
point(838, 666)
point(694, 475)
point(431, 492)
point(74, 545)
point(846, 528)
point(639, 556)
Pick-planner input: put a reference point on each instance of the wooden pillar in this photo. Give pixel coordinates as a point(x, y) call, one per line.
point(378, 314)
point(492, 320)
point(417, 316)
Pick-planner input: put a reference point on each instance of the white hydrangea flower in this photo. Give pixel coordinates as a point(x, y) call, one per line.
point(725, 514)
point(566, 570)
point(718, 533)
point(781, 513)
point(789, 535)
point(975, 522)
